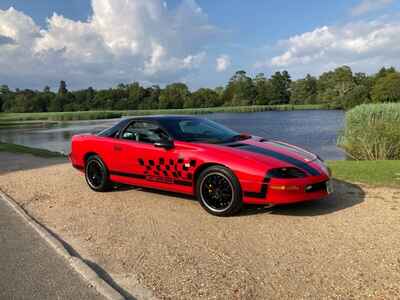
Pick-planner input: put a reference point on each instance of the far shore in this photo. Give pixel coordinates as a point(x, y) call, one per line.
point(15, 119)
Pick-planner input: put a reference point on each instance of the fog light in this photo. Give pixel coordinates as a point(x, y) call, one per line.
point(284, 187)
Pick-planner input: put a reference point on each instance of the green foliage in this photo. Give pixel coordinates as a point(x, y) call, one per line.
point(372, 132)
point(280, 83)
point(339, 89)
point(174, 96)
point(203, 98)
point(387, 88)
point(360, 94)
point(62, 90)
point(240, 90)
point(304, 90)
point(333, 86)
point(264, 90)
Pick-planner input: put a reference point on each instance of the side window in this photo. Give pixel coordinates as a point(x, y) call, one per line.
point(146, 132)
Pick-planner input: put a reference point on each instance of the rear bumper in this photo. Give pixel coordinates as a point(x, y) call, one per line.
point(74, 162)
point(279, 191)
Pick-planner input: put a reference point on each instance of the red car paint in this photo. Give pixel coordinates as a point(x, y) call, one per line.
point(176, 169)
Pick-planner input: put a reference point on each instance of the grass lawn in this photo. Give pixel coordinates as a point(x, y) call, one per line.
point(27, 150)
point(382, 172)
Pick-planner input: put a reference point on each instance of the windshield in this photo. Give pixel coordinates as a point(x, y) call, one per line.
point(199, 130)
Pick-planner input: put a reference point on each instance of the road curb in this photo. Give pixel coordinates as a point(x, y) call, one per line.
point(101, 286)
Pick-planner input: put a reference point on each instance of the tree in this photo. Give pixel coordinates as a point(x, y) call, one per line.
point(304, 91)
point(136, 95)
point(240, 90)
point(174, 96)
point(203, 98)
point(62, 90)
point(280, 88)
point(151, 99)
point(4, 94)
point(60, 101)
point(22, 102)
point(220, 91)
point(264, 89)
point(383, 72)
point(387, 88)
point(358, 95)
point(333, 86)
point(4, 89)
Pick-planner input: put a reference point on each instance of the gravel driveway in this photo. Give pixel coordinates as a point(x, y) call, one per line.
point(346, 246)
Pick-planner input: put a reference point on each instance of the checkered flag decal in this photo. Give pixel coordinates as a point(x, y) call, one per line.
point(179, 169)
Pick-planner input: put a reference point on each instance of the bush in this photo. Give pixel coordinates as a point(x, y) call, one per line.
point(372, 132)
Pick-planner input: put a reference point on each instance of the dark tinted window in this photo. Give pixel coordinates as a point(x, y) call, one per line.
point(201, 130)
point(146, 132)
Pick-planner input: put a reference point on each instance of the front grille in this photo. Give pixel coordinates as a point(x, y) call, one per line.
point(316, 187)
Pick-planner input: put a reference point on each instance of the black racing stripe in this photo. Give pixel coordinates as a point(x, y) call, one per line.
point(182, 182)
point(262, 193)
point(140, 176)
point(286, 158)
point(130, 175)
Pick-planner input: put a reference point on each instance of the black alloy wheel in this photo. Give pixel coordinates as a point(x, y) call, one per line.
point(219, 192)
point(96, 174)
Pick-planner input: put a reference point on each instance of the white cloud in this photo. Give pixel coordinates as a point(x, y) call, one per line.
point(365, 46)
point(366, 6)
point(124, 40)
point(223, 63)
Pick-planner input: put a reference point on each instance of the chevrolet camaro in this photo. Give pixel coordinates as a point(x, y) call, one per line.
point(190, 155)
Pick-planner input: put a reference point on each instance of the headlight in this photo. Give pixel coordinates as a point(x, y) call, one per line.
point(286, 173)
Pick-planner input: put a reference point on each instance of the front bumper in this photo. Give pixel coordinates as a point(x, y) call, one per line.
point(286, 191)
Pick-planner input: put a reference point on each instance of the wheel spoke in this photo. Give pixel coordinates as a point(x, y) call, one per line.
point(217, 191)
point(95, 173)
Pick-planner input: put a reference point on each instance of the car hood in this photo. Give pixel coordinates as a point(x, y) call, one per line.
point(276, 153)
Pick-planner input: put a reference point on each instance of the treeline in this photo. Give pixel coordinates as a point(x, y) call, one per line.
point(340, 88)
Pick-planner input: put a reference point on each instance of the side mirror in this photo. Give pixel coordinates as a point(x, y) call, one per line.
point(166, 144)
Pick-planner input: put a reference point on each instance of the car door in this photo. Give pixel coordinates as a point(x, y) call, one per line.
point(136, 153)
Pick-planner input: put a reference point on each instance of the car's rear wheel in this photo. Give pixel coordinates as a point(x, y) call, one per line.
point(218, 191)
point(96, 174)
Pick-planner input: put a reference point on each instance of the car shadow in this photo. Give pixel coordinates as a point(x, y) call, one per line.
point(345, 195)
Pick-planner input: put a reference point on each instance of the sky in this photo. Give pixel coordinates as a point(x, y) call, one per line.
point(101, 43)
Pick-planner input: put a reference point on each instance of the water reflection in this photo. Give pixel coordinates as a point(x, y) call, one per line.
point(315, 130)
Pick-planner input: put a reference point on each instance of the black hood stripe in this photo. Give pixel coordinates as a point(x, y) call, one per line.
point(282, 157)
point(296, 149)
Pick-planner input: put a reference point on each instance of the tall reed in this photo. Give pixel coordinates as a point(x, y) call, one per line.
point(372, 132)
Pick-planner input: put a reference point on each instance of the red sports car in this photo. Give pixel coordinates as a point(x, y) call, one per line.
point(195, 156)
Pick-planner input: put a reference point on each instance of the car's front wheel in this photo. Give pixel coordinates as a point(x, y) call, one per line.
point(218, 191)
point(96, 174)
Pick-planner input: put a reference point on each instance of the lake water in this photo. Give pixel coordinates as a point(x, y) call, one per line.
point(315, 130)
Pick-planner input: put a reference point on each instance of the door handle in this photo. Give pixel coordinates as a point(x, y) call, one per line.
point(117, 148)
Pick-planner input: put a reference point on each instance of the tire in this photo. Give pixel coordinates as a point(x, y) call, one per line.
point(219, 192)
point(96, 174)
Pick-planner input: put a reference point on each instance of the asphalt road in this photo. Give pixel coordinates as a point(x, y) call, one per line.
point(30, 269)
